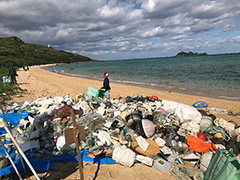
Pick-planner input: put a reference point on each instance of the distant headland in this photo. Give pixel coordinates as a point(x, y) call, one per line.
point(14, 52)
point(182, 53)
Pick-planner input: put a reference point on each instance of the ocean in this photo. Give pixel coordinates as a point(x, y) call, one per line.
point(215, 76)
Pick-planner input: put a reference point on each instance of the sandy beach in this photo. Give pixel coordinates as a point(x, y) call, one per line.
point(41, 83)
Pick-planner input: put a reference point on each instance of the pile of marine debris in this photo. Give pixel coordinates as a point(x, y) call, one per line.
point(167, 135)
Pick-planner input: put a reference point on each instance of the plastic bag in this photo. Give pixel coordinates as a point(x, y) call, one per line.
point(152, 148)
point(6, 79)
point(185, 112)
point(124, 156)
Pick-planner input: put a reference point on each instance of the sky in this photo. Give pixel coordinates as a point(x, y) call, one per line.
point(125, 29)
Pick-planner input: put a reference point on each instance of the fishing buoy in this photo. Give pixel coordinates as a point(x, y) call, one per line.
point(145, 128)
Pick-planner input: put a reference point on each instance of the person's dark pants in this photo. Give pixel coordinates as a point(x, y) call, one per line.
point(13, 79)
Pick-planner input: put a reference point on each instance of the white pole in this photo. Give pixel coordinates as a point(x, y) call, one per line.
point(10, 159)
point(6, 122)
point(21, 152)
point(19, 148)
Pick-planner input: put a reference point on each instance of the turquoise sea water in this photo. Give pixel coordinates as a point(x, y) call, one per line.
point(213, 75)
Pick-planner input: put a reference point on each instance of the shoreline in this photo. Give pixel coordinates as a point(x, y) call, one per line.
point(153, 87)
point(42, 83)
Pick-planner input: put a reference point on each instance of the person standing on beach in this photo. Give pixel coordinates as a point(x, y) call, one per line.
point(12, 73)
point(106, 88)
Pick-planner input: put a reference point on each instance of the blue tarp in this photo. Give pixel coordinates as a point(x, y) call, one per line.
point(13, 118)
point(53, 69)
point(41, 164)
point(46, 162)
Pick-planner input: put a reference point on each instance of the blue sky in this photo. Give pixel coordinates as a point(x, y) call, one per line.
point(125, 29)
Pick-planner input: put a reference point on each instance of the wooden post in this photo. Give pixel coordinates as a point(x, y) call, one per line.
point(77, 145)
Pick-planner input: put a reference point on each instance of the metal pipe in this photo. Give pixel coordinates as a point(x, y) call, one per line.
point(6, 121)
point(10, 159)
point(18, 147)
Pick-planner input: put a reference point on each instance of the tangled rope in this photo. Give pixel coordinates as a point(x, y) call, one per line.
point(214, 129)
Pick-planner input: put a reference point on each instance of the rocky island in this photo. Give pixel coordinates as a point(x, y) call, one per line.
point(182, 53)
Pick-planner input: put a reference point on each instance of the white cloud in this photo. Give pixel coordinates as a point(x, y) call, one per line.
point(231, 40)
point(101, 29)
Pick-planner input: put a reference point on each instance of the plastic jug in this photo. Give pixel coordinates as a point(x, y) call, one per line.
point(162, 165)
point(172, 158)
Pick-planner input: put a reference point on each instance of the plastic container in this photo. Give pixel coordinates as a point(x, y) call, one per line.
point(172, 158)
point(162, 165)
point(144, 159)
point(95, 92)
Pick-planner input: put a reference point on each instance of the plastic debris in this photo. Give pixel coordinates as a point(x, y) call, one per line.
point(160, 133)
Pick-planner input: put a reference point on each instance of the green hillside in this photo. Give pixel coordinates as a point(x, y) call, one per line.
point(13, 51)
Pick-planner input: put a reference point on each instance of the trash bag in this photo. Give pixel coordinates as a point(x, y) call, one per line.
point(184, 112)
point(6, 79)
point(124, 156)
point(152, 148)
